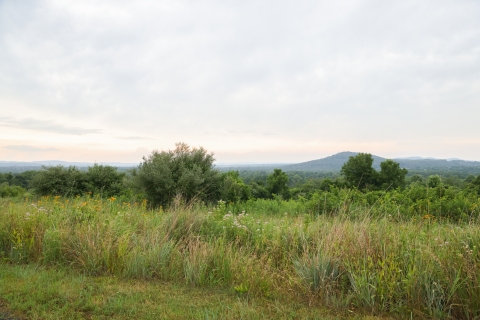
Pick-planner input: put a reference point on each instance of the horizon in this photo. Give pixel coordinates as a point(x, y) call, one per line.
point(231, 164)
point(276, 81)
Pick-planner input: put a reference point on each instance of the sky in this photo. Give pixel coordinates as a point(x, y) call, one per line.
point(251, 81)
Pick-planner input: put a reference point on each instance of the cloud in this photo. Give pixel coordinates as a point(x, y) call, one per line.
point(45, 125)
point(349, 71)
point(134, 138)
point(26, 148)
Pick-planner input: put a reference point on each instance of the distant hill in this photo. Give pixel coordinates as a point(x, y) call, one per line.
point(335, 163)
point(436, 164)
point(61, 163)
point(19, 166)
point(331, 163)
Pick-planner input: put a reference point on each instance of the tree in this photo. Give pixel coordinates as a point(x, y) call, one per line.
point(59, 181)
point(416, 178)
point(358, 171)
point(474, 185)
point(233, 188)
point(259, 191)
point(277, 183)
point(185, 171)
point(103, 180)
point(391, 175)
point(434, 181)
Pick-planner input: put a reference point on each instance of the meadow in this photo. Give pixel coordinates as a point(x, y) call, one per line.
point(354, 259)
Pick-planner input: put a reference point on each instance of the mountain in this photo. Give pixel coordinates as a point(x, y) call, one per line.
point(331, 163)
point(335, 163)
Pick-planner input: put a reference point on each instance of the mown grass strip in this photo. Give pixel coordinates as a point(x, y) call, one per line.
point(33, 292)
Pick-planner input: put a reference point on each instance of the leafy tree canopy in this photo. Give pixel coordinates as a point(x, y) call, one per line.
point(60, 181)
point(391, 175)
point(233, 188)
point(358, 171)
point(184, 171)
point(277, 183)
point(103, 180)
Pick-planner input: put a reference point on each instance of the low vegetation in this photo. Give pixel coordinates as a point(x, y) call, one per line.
point(36, 292)
point(346, 259)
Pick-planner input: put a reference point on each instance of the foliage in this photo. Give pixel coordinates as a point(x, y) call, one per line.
point(18, 179)
point(259, 191)
point(358, 171)
point(474, 185)
point(60, 181)
point(233, 189)
point(434, 181)
point(68, 182)
point(277, 183)
point(184, 171)
point(7, 191)
point(391, 175)
point(103, 180)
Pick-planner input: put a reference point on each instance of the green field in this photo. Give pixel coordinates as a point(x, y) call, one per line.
point(93, 258)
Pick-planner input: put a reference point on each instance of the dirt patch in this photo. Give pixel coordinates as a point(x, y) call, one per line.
point(6, 314)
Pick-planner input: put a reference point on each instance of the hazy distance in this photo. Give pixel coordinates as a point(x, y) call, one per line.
point(258, 82)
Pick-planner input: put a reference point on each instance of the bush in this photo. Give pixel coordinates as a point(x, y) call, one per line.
point(60, 181)
point(7, 191)
point(233, 188)
point(100, 180)
point(104, 180)
point(185, 171)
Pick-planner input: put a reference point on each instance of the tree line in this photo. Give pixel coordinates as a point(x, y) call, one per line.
point(190, 173)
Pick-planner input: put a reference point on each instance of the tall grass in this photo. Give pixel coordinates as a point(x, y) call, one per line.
point(416, 267)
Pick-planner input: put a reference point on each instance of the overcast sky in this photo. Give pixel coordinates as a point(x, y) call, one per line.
point(251, 81)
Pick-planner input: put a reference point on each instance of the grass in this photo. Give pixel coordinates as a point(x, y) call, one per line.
point(382, 265)
point(44, 293)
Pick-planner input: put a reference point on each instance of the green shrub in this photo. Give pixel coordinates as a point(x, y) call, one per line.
point(7, 191)
point(104, 181)
point(60, 181)
point(233, 189)
point(99, 180)
point(185, 171)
